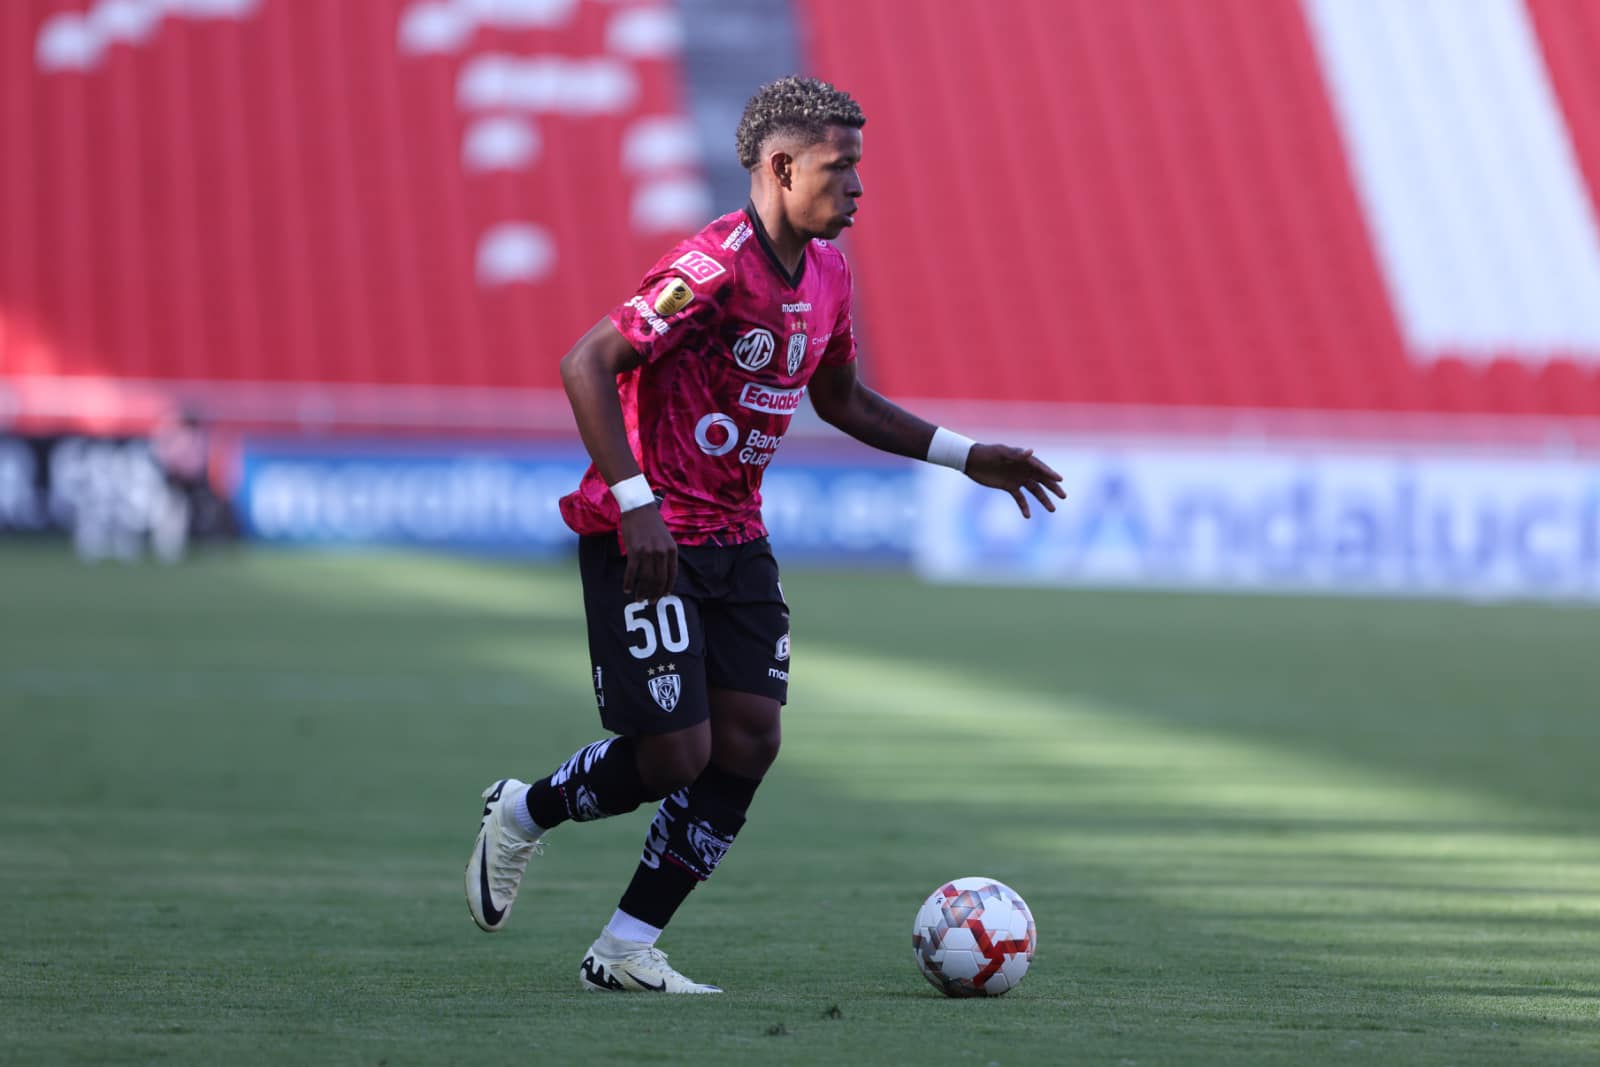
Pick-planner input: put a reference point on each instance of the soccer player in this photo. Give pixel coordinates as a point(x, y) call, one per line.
point(682, 395)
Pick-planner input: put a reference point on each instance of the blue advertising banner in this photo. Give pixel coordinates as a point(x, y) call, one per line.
point(1405, 521)
point(502, 499)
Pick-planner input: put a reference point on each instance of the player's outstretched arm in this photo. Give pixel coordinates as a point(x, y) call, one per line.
point(841, 400)
point(589, 373)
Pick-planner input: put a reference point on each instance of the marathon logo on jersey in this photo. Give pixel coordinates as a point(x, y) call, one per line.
point(697, 266)
point(735, 240)
point(796, 308)
point(754, 350)
point(648, 314)
point(673, 297)
point(758, 397)
point(797, 351)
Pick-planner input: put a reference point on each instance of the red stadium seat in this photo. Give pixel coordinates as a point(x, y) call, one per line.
point(1067, 202)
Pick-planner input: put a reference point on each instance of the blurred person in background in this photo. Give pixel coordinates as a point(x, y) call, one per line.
point(178, 445)
point(181, 448)
point(682, 395)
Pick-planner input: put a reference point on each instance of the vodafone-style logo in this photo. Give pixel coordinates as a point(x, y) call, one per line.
point(716, 434)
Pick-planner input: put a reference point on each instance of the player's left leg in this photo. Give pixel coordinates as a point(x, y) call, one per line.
point(694, 827)
point(747, 654)
point(692, 830)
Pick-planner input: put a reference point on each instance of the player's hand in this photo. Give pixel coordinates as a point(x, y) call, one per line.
point(1015, 469)
point(652, 554)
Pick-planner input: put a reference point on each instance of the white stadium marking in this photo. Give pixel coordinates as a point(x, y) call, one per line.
point(1484, 228)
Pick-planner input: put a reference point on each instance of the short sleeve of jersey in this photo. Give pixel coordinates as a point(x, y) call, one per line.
point(842, 343)
point(677, 305)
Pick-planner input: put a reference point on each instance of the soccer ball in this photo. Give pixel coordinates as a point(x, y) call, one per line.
point(974, 937)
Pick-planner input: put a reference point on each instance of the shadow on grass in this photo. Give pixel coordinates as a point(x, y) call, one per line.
point(1236, 820)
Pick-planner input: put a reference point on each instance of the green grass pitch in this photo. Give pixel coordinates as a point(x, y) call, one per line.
point(236, 797)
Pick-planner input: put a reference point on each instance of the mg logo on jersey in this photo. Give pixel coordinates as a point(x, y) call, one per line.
point(716, 434)
point(754, 350)
point(797, 351)
point(665, 688)
point(758, 397)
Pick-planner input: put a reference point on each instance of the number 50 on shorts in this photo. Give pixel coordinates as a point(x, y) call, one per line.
point(668, 630)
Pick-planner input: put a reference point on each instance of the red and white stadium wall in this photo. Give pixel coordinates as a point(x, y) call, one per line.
point(1349, 205)
point(1309, 291)
point(1341, 255)
point(412, 205)
point(1323, 205)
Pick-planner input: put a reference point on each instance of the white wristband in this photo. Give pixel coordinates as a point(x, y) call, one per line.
point(949, 449)
point(633, 493)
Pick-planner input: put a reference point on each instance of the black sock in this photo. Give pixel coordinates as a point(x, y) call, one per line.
point(600, 780)
point(692, 831)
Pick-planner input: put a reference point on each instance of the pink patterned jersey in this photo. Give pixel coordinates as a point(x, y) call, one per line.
point(729, 343)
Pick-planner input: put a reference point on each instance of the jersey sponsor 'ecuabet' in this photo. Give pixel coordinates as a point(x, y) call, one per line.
point(758, 397)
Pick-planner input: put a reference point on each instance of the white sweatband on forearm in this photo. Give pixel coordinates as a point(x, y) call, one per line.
point(949, 449)
point(633, 493)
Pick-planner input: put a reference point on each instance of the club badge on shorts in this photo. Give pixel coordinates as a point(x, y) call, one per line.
point(665, 690)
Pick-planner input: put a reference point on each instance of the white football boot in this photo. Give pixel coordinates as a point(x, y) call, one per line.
point(499, 858)
point(617, 966)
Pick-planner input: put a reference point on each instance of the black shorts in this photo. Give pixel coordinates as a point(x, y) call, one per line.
point(724, 626)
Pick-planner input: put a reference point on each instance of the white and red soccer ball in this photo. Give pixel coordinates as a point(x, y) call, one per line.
point(974, 937)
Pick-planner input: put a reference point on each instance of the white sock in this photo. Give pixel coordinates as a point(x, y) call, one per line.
point(625, 927)
point(519, 812)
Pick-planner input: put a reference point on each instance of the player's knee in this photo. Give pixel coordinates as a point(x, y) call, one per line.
point(749, 748)
point(670, 776)
point(672, 762)
point(761, 749)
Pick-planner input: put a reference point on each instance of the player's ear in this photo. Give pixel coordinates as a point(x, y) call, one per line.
point(781, 166)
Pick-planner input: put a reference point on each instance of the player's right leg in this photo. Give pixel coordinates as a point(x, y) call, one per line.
point(500, 856)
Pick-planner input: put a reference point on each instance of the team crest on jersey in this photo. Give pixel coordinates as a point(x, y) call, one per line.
point(754, 350)
point(665, 689)
point(673, 297)
point(797, 351)
point(697, 266)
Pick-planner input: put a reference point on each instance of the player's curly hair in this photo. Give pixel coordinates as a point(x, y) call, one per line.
point(805, 106)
